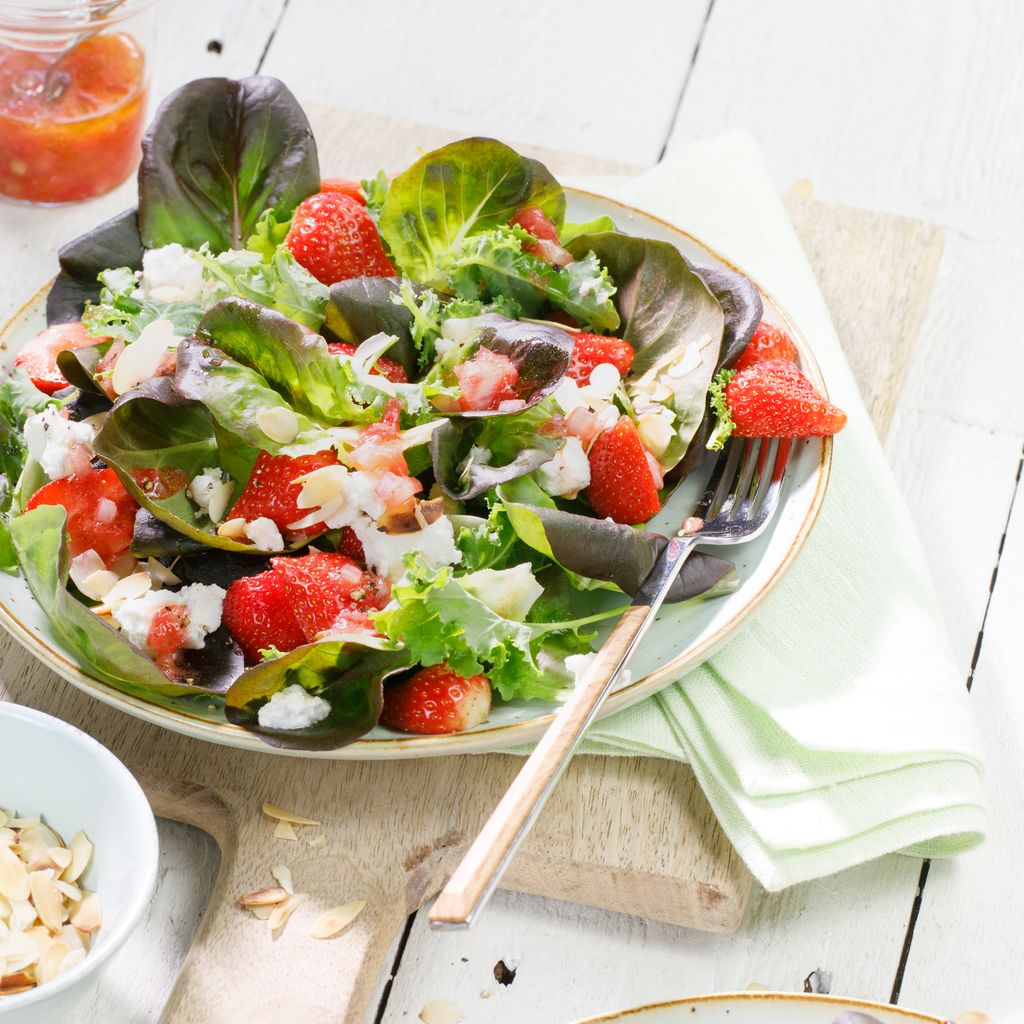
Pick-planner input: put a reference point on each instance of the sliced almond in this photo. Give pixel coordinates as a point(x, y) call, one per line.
point(40, 935)
point(50, 962)
point(263, 897)
point(48, 901)
point(89, 916)
point(283, 874)
point(139, 361)
point(220, 497)
point(284, 830)
point(72, 937)
point(334, 922)
point(273, 811)
point(441, 1011)
point(69, 890)
point(81, 854)
point(30, 821)
point(318, 841)
point(18, 981)
point(73, 959)
point(160, 572)
point(13, 875)
point(280, 914)
point(22, 916)
point(262, 913)
point(98, 584)
point(279, 423)
point(131, 587)
point(18, 952)
point(232, 529)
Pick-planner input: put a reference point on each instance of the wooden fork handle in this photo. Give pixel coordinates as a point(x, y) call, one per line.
point(481, 868)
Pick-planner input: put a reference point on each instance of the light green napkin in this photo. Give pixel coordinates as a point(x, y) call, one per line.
point(835, 727)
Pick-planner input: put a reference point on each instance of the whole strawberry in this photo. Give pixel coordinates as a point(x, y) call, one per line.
point(334, 238)
point(436, 700)
point(769, 342)
point(773, 399)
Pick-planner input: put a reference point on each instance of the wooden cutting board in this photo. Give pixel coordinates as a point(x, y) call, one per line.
point(627, 834)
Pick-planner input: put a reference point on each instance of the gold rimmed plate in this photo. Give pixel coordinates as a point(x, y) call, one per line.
point(682, 637)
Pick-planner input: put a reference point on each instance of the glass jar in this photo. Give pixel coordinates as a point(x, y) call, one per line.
point(73, 89)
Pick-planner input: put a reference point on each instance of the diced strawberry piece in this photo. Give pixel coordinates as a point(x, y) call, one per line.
point(769, 342)
point(344, 187)
point(39, 357)
point(436, 700)
point(395, 490)
point(334, 238)
point(259, 612)
point(486, 380)
point(166, 637)
point(591, 350)
point(774, 399)
point(584, 424)
point(534, 220)
point(324, 584)
point(622, 485)
point(379, 449)
point(271, 490)
point(100, 512)
point(388, 368)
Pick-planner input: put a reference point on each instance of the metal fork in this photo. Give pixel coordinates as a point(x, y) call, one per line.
point(739, 500)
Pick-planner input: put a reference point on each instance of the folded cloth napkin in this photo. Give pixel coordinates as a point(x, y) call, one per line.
point(835, 726)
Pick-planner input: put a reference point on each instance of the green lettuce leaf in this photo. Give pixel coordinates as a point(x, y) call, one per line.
point(364, 306)
point(458, 191)
point(216, 156)
point(118, 313)
point(19, 398)
point(570, 232)
point(40, 542)
point(439, 620)
point(493, 264)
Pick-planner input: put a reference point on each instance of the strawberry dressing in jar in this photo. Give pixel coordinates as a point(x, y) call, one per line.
point(73, 89)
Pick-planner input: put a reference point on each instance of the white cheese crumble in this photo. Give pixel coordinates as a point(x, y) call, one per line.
point(385, 551)
point(568, 472)
point(59, 445)
point(293, 708)
point(510, 593)
point(171, 274)
point(263, 532)
point(211, 491)
point(337, 496)
point(203, 604)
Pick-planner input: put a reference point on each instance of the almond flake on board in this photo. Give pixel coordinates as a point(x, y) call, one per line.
point(283, 875)
point(334, 922)
point(284, 830)
point(317, 841)
point(273, 811)
point(268, 896)
point(441, 1011)
point(281, 913)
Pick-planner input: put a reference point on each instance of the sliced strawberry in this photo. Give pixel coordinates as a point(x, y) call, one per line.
point(774, 399)
point(591, 350)
point(271, 490)
point(622, 485)
point(387, 368)
point(769, 342)
point(329, 591)
point(349, 544)
point(344, 187)
point(39, 357)
point(436, 700)
point(379, 449)
point(334, 238)
point(259, 612)
point(100, 512)
point(486, 380)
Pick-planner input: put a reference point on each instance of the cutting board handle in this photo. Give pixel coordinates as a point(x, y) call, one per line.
point(236, 971)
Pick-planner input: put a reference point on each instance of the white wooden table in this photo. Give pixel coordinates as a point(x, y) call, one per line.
point(913, 107)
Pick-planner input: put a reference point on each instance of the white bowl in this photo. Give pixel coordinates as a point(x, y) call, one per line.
point(50, 768)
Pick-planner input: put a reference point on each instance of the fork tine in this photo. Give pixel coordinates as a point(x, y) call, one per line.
point(739, 500)
point(720, 482)
point(766, 508)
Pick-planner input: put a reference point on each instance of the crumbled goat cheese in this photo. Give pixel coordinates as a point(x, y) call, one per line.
point(568, 472)
point(203, 605)
point(337, 496)
point(211, 491)
point(263, 532)
point(171, 274)
point(293, 708)
point(59, 445)
point(385, 551)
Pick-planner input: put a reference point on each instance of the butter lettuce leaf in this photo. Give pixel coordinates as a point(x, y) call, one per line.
point(457, 191)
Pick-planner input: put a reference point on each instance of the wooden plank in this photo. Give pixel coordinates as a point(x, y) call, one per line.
point(597, 84)
point(966, 948)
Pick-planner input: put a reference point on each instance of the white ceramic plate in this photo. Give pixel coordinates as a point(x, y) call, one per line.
point(682, 637)
point(761, 1008)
